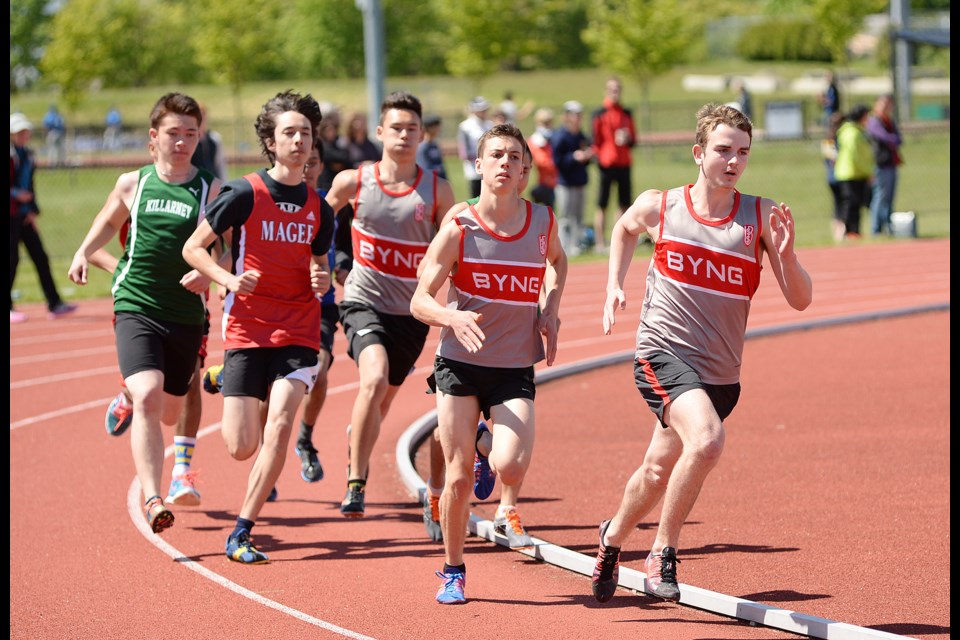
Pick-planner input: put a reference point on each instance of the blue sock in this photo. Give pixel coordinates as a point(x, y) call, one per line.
point(242, 526)
point(460, 568)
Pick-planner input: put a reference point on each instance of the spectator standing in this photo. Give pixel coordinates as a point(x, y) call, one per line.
point(689, 345)
point(468, 135)
point(281, 232)
point(360, 148)
point(744, 102)
point(830, 98)
point(854, 169)
point(828, 150)
point(113, 125)
point(24, 210)
point(335, 155)
point(209, 154)
point(614, 136)
point(885, 137)
point(429, 153)
point(511, 112)
point(572, 154)
point(56, 135)
point(540, 147)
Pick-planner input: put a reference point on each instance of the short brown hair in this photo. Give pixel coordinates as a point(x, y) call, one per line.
point(505, 130)
point(178, 103)
point(711, 116)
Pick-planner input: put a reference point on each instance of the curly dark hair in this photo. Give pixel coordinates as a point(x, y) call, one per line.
point(266, 124)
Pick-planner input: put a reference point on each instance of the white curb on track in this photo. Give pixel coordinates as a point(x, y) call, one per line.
point(720, 603)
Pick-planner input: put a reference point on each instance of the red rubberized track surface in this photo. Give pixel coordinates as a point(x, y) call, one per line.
point(831, 499)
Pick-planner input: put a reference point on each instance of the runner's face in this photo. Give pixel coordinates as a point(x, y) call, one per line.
point(175, 138)
point(292, 139)
point(725, 157)
point(501, 165)
point(400, 132)
point(313, 169)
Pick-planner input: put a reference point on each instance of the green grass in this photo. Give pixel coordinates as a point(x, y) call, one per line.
point(788, 171)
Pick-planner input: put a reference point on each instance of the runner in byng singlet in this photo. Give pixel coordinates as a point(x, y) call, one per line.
point(396, 209)
point(502, 257)
point(710, 240)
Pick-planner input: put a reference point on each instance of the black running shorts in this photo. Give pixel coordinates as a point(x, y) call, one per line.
point(147, 344)
point(403, 337)
point(250, 372)
point(662, 378)
point(491, 385)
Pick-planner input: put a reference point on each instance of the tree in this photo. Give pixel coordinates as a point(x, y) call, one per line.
point(324, 38)
point(485, 38)
point(840, 20)
point(29, 25)
point(642, 39)
point(237, 42)
point(117, 43)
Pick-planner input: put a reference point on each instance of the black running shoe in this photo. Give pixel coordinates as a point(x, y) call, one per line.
point(352, 505)
point(661, 569)
point(310, 468)
point(607, 569)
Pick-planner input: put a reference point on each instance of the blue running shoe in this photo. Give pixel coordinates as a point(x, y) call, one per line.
point(119, 415)
point(451, 591)
point(310, 468)
point(213, 379)
point(183, 490)
point(483, 476)
point(240, 549)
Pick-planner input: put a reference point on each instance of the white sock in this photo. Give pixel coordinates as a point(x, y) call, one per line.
point(183, 447)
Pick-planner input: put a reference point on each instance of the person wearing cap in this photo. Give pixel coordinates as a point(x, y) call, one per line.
point(429, 154)
point(23, 220)
point(572, 154)
point(468, 135)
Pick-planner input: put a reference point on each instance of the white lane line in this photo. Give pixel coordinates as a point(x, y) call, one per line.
point(136, 515)
point(59, 413)
point(712, 601)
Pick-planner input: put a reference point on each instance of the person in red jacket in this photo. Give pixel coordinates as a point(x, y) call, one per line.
point(614, 136)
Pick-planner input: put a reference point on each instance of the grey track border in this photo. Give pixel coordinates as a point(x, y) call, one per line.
point(745, 610)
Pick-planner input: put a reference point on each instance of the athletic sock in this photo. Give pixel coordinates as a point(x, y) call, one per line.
point(306, 433)
point(183, 447)
point(502, 510)
point(449, 568)
point(242, 525)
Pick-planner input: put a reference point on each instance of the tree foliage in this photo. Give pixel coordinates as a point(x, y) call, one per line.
point(117, 43)
point(641, 38)
point(839, 20)
point(323, 38)
point(29, 26)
